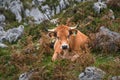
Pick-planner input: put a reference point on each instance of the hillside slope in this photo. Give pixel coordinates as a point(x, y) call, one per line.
point(30, 54)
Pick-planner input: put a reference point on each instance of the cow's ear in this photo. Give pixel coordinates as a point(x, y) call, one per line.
point(73, 31)
point(52, 34)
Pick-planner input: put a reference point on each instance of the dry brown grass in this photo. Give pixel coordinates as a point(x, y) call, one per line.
point(29, 48)
point(44, 42)
point(114, 3)
point(34, 54)
point(22, 61)
point(62, 70)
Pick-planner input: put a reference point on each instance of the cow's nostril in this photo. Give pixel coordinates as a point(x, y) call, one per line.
point(65, 47)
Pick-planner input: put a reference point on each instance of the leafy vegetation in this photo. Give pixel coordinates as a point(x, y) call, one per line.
point(32, 50)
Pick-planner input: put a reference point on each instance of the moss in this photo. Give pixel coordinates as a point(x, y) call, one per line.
point(26, 4)
point(4, 52)
point(10, 17)
point(51, 2)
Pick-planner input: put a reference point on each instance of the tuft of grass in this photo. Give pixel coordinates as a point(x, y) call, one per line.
point(102, 59)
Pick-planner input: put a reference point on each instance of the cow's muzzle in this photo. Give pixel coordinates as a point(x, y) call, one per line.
point(65, 47)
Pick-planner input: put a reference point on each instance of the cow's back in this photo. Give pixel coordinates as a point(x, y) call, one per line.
point(78, 40)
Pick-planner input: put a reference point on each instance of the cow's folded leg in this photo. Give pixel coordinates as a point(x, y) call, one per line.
point(54, 57)
point(75, 57)
point(66, 55)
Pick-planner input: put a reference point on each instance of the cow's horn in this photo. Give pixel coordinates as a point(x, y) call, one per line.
point(74, 26)
point(51, 30)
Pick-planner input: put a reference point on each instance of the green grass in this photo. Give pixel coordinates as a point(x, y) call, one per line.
point(102, 59)
point(13, 60)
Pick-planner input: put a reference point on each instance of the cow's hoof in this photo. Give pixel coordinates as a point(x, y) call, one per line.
point(53, 59)
point(73, 59)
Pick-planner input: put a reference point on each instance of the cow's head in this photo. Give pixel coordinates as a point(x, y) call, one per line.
point(62, 33)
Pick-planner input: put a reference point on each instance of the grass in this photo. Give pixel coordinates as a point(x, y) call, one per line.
point(103, 59)
point(15, 61)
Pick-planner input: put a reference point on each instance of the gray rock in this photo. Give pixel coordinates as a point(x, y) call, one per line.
point(98, 6)
point(13, 34)
point(78, 0)
point(113, 3)
point(111, 14)
point(16, 8)
point(3, 45)
point(3, 3)
point(58, 9)
point(2, 18)
point(38, 2)
point(26, 75)
point(1, 29)
point(92, 73)
point(106, 40)
point(62, 4)
point(99, 0)
point(47, 11)
point(36, 14)
point(115, 78)
point(112, 35)
point(2, 34)
point(27, 12)
point(54, 21)
point(10, 35)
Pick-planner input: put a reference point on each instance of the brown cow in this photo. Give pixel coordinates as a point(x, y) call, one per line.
point(67, 39)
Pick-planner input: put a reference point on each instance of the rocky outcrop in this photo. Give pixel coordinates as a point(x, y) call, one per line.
point(10, 35)
point(98, 6)
point(113, 3)
point(16, 8)
point(92, 73)
point(2, 34)
point(3, 45)
point(106, 40)
point(111, 14)
point(36, 11)
point(2, 20)
point(115, 78)
point(13, 34)
point(36, 14)
point(39, 10)
point(25, 76)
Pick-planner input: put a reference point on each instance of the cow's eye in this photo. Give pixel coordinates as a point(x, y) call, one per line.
point(58, 37)
point(68, 36)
